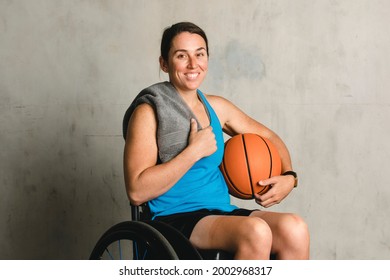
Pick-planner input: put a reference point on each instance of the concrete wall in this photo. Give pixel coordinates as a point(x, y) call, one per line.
point(316, 72)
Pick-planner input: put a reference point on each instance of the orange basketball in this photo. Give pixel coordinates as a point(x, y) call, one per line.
point(248, 159)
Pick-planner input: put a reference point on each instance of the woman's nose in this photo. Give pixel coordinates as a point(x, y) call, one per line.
point(192, 62)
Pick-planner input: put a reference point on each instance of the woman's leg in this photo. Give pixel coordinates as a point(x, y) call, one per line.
point(290, 234)
point(246, 237)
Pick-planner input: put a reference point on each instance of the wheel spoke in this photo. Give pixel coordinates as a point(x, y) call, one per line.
point(109, 254)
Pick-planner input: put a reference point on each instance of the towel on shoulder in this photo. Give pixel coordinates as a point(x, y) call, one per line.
point(173, 116)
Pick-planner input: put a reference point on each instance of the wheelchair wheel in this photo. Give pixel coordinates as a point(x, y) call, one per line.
point(183, 247)
point(133, 240)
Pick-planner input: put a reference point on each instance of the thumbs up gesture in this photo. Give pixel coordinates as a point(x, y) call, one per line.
point(203, 141)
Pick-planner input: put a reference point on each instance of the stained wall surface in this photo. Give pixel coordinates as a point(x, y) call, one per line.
point(316, 72)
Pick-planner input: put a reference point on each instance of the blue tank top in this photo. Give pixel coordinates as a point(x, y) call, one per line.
point(203, 186)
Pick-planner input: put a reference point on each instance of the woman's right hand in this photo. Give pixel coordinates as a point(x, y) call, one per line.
point(203, 141)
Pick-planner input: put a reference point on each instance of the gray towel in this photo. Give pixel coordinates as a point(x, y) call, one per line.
point(173, 117)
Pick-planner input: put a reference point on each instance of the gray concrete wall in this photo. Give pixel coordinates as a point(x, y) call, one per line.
point(316, 72)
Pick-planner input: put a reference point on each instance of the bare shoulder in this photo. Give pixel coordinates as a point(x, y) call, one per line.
point(220, 104)
point(142, 120)
point(217, 100)
point(144, 108)
point(226, 111)
point(233, 119)
point(143, 112)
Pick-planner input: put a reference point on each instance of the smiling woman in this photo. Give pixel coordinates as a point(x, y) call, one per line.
point(174, 147)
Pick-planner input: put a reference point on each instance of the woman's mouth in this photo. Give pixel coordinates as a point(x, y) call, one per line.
point(192, 76)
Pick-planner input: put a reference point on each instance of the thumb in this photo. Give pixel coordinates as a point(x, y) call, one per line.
point(266, 182)
point(194, 126)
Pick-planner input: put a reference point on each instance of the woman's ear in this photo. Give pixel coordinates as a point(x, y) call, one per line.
point(163, 64)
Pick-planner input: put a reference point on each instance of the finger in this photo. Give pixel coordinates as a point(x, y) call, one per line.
point(267, 182)
point(194, 126)
point(262, 203)
point(264, 197)
point(266, 203)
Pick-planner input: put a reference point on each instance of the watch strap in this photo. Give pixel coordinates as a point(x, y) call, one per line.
point(294, 174)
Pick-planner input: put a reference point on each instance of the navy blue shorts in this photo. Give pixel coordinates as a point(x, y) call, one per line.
point(185, 222)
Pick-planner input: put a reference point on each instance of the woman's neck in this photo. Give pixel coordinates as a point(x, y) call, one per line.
point(190, 97)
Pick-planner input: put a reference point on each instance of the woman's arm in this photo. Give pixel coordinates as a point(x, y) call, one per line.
point(234, 121)
point(144, 178)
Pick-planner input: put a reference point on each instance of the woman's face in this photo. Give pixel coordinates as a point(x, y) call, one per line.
point(187, 62)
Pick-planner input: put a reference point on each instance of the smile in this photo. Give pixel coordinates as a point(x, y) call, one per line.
point(192, 76)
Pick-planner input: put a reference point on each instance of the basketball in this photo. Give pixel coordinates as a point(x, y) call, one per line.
point(248, 159)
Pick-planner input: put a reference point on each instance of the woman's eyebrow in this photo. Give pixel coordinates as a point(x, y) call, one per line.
point(184, 50)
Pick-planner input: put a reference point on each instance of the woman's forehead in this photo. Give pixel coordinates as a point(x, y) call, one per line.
point(188, 42)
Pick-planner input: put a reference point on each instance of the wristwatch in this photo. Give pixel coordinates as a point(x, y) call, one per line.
point(294, 174)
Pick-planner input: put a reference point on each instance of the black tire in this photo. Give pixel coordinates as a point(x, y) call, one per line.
point(183, 247)
point(141, 241)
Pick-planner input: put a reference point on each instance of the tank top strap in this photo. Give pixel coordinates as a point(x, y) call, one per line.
point(214, 121)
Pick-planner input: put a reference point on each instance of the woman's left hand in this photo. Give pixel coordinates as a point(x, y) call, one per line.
point(281, 186)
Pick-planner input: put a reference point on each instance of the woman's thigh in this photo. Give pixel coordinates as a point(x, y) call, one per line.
point(224, 232)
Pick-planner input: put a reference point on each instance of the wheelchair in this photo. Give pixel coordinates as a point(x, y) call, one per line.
point(145, 239)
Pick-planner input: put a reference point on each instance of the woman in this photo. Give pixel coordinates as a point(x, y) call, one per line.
point(180, 133)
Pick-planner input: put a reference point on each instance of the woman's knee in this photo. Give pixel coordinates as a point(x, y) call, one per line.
point(292, 227)
point(254, 240)
point(255, 233)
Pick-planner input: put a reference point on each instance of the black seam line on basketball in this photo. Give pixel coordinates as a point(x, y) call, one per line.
point(230, 179)
point(247, 166)
point(270, 156)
